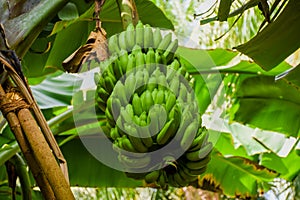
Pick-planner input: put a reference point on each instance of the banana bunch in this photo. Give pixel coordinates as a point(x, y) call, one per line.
point(146, 94)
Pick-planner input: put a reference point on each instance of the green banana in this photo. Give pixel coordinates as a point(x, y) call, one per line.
point(153, 121)
point(174, 86)
point(101, 104)
point(130, 36)
point(162, 179)
point(145, 76)
point(109, 117)
point(114, 134)
point(134, 163)
point(109, 84)
point(179, 180)
point(147, 100)
point(186, 176)
point(165, 134)
point(170, 102)
point(152, 84)
point(160, 97)
point(130, 85)
point(139, 59)
point(153, 176)
point(183, 91)
point(117, 69)
point(126, 117)
point(199, 154)
point(101, 92)
point(135, 141)
point(122, 41)
point(170, 51)
point(165, 42)
point(119, 92)
point(148, 37)
point(137, 104)
point(192, 172)
point(123, 58)
point(126, 144)
point(200, 139)
point(131, 64)
point(113, 44)
point(162, 82)
point(154, 94)
point(150, 60)
point(115, 107)
point(144, 133)
point(198, 164)
point(189, 135)
point(157, 38)
point(139, 34)
point(172, 70)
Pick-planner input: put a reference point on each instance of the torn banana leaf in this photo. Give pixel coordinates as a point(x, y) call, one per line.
point(278, 40)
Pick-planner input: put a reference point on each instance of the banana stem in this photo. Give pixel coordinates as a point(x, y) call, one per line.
point(128, 12)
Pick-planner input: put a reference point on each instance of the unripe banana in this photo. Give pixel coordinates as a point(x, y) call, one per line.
point(200, 139)
point(151, 177)
point(152, 84)
point(165, 134)
point(162, 82)
point(126, 144)
point(198, 164)
point(122, 40)
point(123, 58)
point(157, 38)
point(165, 42)
point(148, 37)
point(135, 163)
point(189, 135)
point(114, 134)
point(109, 84)
point(174, 85)
point(139, 34)
point(170, 51)
point(150, 60)
point(147, 100)
point(130, 85)
point(162, 180)
point(144, 133)
point(134, 139)
point(179, 180)
point(116, 107)
point(130, 37)
point(199, 154)
point(170, 102)
point(160, 97)
point(101, 92)
point(119, 92)
point(101, 104)
point(131, 64)
point(154, 94)
point(140, 59)
point(117, 69)
point(113, 44)
point(137, 104)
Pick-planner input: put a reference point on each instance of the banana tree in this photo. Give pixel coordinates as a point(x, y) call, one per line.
point(254, 129)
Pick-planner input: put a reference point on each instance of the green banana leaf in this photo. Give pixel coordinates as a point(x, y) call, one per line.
point(277, 40)
point(56, 91)
point(91, 172)
point(235, 176)
point(268, 104)
point(286, 167)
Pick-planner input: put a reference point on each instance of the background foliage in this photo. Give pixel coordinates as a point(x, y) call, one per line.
point(251, 109)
